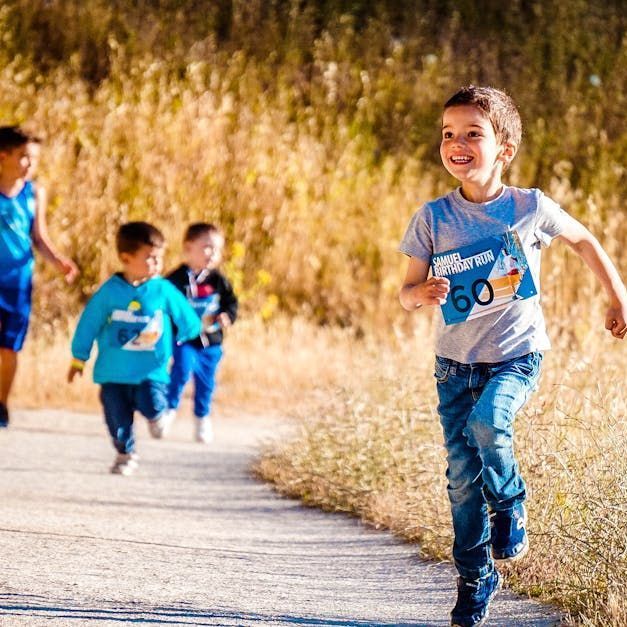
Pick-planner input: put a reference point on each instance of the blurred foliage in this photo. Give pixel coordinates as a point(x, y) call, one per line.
point(309, 130)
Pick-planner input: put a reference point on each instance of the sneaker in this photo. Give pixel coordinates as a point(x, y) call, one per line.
point(4, 416)
point(160, 426)
point(509, 537)
point(473, 600)
point(125, 464)
point(204, 430)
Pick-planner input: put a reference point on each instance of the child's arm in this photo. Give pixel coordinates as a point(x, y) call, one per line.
point(579, 238)
point(229, 304)
point(188, 324)
point(42, 243)
point(418, 290)
point(93, 318)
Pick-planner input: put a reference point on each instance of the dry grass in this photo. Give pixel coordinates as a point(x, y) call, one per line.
point(312, 156)
point(375, 449)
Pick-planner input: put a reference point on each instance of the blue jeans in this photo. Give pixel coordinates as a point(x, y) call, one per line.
point(121, 400)
point(203, 364)
point(478, 403)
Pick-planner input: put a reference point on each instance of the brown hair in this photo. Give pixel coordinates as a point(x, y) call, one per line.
point(13, 137)
point(498, 107)
point(133, 235)
point(198, 229)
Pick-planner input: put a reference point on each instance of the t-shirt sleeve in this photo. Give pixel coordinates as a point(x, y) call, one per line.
point(417, 241)
point(550, 220)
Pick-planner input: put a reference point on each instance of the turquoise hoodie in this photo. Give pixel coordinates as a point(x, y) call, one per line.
point(133, 329)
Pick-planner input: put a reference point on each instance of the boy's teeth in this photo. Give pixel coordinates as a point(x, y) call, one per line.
point(460, 159)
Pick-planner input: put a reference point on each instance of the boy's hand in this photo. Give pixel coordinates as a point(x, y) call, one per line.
point(76, 368)
point(223, 320)
point(68, 268)
point(433, 291)
point(616, 320)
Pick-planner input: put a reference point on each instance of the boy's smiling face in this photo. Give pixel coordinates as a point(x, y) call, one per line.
point(470, 150)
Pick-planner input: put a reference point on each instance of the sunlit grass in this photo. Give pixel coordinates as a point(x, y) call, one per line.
point(374, 448)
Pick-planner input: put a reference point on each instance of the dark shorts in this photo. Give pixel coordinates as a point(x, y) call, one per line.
point(15, 306)
point(13, 328)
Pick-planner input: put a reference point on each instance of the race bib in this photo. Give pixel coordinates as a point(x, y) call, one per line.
point(205, 300)
point(207, 310)
point(136, 332)
point(484, 277)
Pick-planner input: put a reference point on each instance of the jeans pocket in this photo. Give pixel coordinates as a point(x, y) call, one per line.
point(527, 365)
point(442, 368)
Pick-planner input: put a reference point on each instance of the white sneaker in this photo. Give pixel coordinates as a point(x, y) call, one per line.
point(160, 427)
point(204, 430)
point(125, 464)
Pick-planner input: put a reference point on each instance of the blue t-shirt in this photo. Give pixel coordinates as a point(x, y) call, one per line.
point(451, 222)
point(132, 326)
point(17, 215)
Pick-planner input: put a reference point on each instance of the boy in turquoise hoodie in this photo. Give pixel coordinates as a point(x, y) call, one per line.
point(130, 317)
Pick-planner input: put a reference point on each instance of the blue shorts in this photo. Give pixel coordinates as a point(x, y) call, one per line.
point(15, 306)
point(13, 328)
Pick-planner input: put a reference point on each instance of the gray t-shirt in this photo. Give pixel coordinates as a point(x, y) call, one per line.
point(452, 221)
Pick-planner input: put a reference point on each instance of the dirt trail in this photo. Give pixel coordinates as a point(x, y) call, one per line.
point(192, 539)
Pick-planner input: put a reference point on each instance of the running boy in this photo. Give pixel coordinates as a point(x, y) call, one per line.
point(22, 226)
point(130, 318)
point(488, 353)
point(211, 295)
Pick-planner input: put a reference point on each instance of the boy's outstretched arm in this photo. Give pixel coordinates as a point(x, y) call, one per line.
point(579, 238)
point(418, 290)
point(42, 242)
point(93, 318)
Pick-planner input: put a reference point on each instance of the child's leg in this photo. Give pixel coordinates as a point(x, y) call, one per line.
point(151, 398)
point(490, 428)
point(8, 368)
point(184, 356)
point(13, 329)
point(471, 526)
point(205, 369)
point(118, 405)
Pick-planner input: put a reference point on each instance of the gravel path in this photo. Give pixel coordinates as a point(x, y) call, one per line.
point(192, 539)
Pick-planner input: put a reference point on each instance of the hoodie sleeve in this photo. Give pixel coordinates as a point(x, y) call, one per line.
point(186, 320)
point(93, 318)
point(228, 300)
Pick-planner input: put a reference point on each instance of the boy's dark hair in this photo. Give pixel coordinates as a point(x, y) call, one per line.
point(198, 229)
point(13, 137)
point(498, 107)
point(133, 235)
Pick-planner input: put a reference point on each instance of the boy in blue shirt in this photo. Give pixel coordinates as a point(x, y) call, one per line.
point(22, 227)
point(213, 299)
point(130, 317)
point(489, 352)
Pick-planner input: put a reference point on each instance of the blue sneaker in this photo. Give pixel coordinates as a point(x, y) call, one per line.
point(4, 416)
point(509, 537)
point(473, 600)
